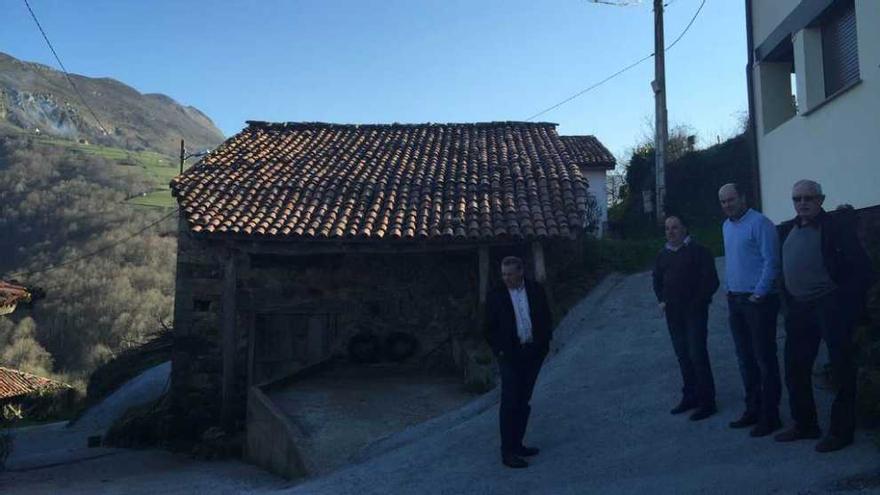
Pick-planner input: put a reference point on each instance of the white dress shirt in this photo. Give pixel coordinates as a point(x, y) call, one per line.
point(520, 301)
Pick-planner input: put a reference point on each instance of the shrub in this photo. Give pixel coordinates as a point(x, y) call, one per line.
point(620, 255)
point(8, 415)
point(868, 343)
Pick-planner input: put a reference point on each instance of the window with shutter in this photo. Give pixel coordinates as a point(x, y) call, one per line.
point(840, 54)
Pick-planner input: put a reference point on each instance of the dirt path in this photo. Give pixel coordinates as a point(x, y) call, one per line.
point(600, 416)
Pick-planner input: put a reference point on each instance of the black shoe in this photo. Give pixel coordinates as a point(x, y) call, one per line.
point(513, 461)
point(765, 428)
point(684, 405)
point(524, 451)
point(795, 433)
point(747, 419)
point(703, 413)
point(831, 443)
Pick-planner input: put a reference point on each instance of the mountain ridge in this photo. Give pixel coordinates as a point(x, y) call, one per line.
point(38, 99)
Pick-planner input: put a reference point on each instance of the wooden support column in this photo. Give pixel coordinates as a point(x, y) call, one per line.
point(541, 277)
point(483, 257)
point(228, 340)
point(484, 273)
point(540, 268)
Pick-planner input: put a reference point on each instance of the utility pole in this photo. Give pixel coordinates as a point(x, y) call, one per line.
point(661, 132)
point(182, 155)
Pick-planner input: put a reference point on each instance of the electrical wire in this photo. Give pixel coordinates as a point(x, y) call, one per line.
point(594, 86)
point(64, 69)
point(691, 23)
point(621, 71)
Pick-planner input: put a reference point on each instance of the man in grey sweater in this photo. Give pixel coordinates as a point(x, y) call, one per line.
point(826, 274)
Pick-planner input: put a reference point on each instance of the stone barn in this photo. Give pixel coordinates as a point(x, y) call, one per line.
point(297, 241)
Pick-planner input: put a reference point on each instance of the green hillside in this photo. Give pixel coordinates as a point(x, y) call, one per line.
point(159, 168)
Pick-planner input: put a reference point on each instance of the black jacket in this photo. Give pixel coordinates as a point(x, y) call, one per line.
point(845, 259)
point(500, 328)
point(686, 276)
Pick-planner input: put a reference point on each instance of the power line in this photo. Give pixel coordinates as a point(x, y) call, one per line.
point(97, 251)
point(686, 28)
point(619, 3)
point(64, 69)
point(621, 71)
point(586, 90)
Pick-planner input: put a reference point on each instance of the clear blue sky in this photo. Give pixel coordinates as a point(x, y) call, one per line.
point(403, 60)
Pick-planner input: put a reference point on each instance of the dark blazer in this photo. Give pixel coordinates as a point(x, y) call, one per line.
point(845, 259)
point(500, 328)
point(686, 276)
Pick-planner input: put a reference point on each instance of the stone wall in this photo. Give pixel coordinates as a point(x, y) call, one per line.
point(869, 225)
point(432, 297)
point(327, 298)
point(196, 370)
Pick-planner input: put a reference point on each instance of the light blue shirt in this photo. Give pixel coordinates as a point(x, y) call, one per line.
point(751, 253)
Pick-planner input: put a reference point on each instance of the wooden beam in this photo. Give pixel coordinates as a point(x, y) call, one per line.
point(538, 256)
point(305, 249)
point(228, 342)
point(250, 319)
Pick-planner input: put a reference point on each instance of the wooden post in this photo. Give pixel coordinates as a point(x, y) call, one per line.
point(540, 268)
point(483, 256)
point(182, 155)
point(484, 273)
point(228, 335)
point(541, 277)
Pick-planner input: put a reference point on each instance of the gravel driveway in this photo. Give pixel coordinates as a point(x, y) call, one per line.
point(600, 415)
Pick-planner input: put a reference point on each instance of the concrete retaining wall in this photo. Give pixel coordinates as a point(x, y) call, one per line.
point(271, 438)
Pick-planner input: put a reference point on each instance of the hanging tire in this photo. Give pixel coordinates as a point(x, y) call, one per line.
point(399, 346)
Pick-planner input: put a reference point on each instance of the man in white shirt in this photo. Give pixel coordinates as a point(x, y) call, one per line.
point(519, 328)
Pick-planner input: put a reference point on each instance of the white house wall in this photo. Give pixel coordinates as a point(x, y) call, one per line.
point(836, 144)
point(767, 14)
point(598, 190)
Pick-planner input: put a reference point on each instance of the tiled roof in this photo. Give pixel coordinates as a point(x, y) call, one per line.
point(465, 182)
point(14, 383)
point(11, 295)
point(587, 151)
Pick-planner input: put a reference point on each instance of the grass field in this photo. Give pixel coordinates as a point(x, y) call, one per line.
point(158, 167)
point(158, 199)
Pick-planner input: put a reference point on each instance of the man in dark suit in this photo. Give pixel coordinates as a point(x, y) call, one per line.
point(519, 328)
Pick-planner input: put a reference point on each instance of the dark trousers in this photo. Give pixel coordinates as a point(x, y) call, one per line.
point(806, 323)
point(688, 328)
point(753, 326)
point(519, 372)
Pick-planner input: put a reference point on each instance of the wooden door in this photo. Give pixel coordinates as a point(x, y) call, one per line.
point(285, 343)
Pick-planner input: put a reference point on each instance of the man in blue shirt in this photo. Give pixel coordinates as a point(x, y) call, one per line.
point(751, 250)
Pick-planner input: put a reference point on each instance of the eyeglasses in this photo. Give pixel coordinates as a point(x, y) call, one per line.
point(808, 197)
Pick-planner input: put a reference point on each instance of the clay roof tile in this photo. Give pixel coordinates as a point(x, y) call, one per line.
point(426, 181)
